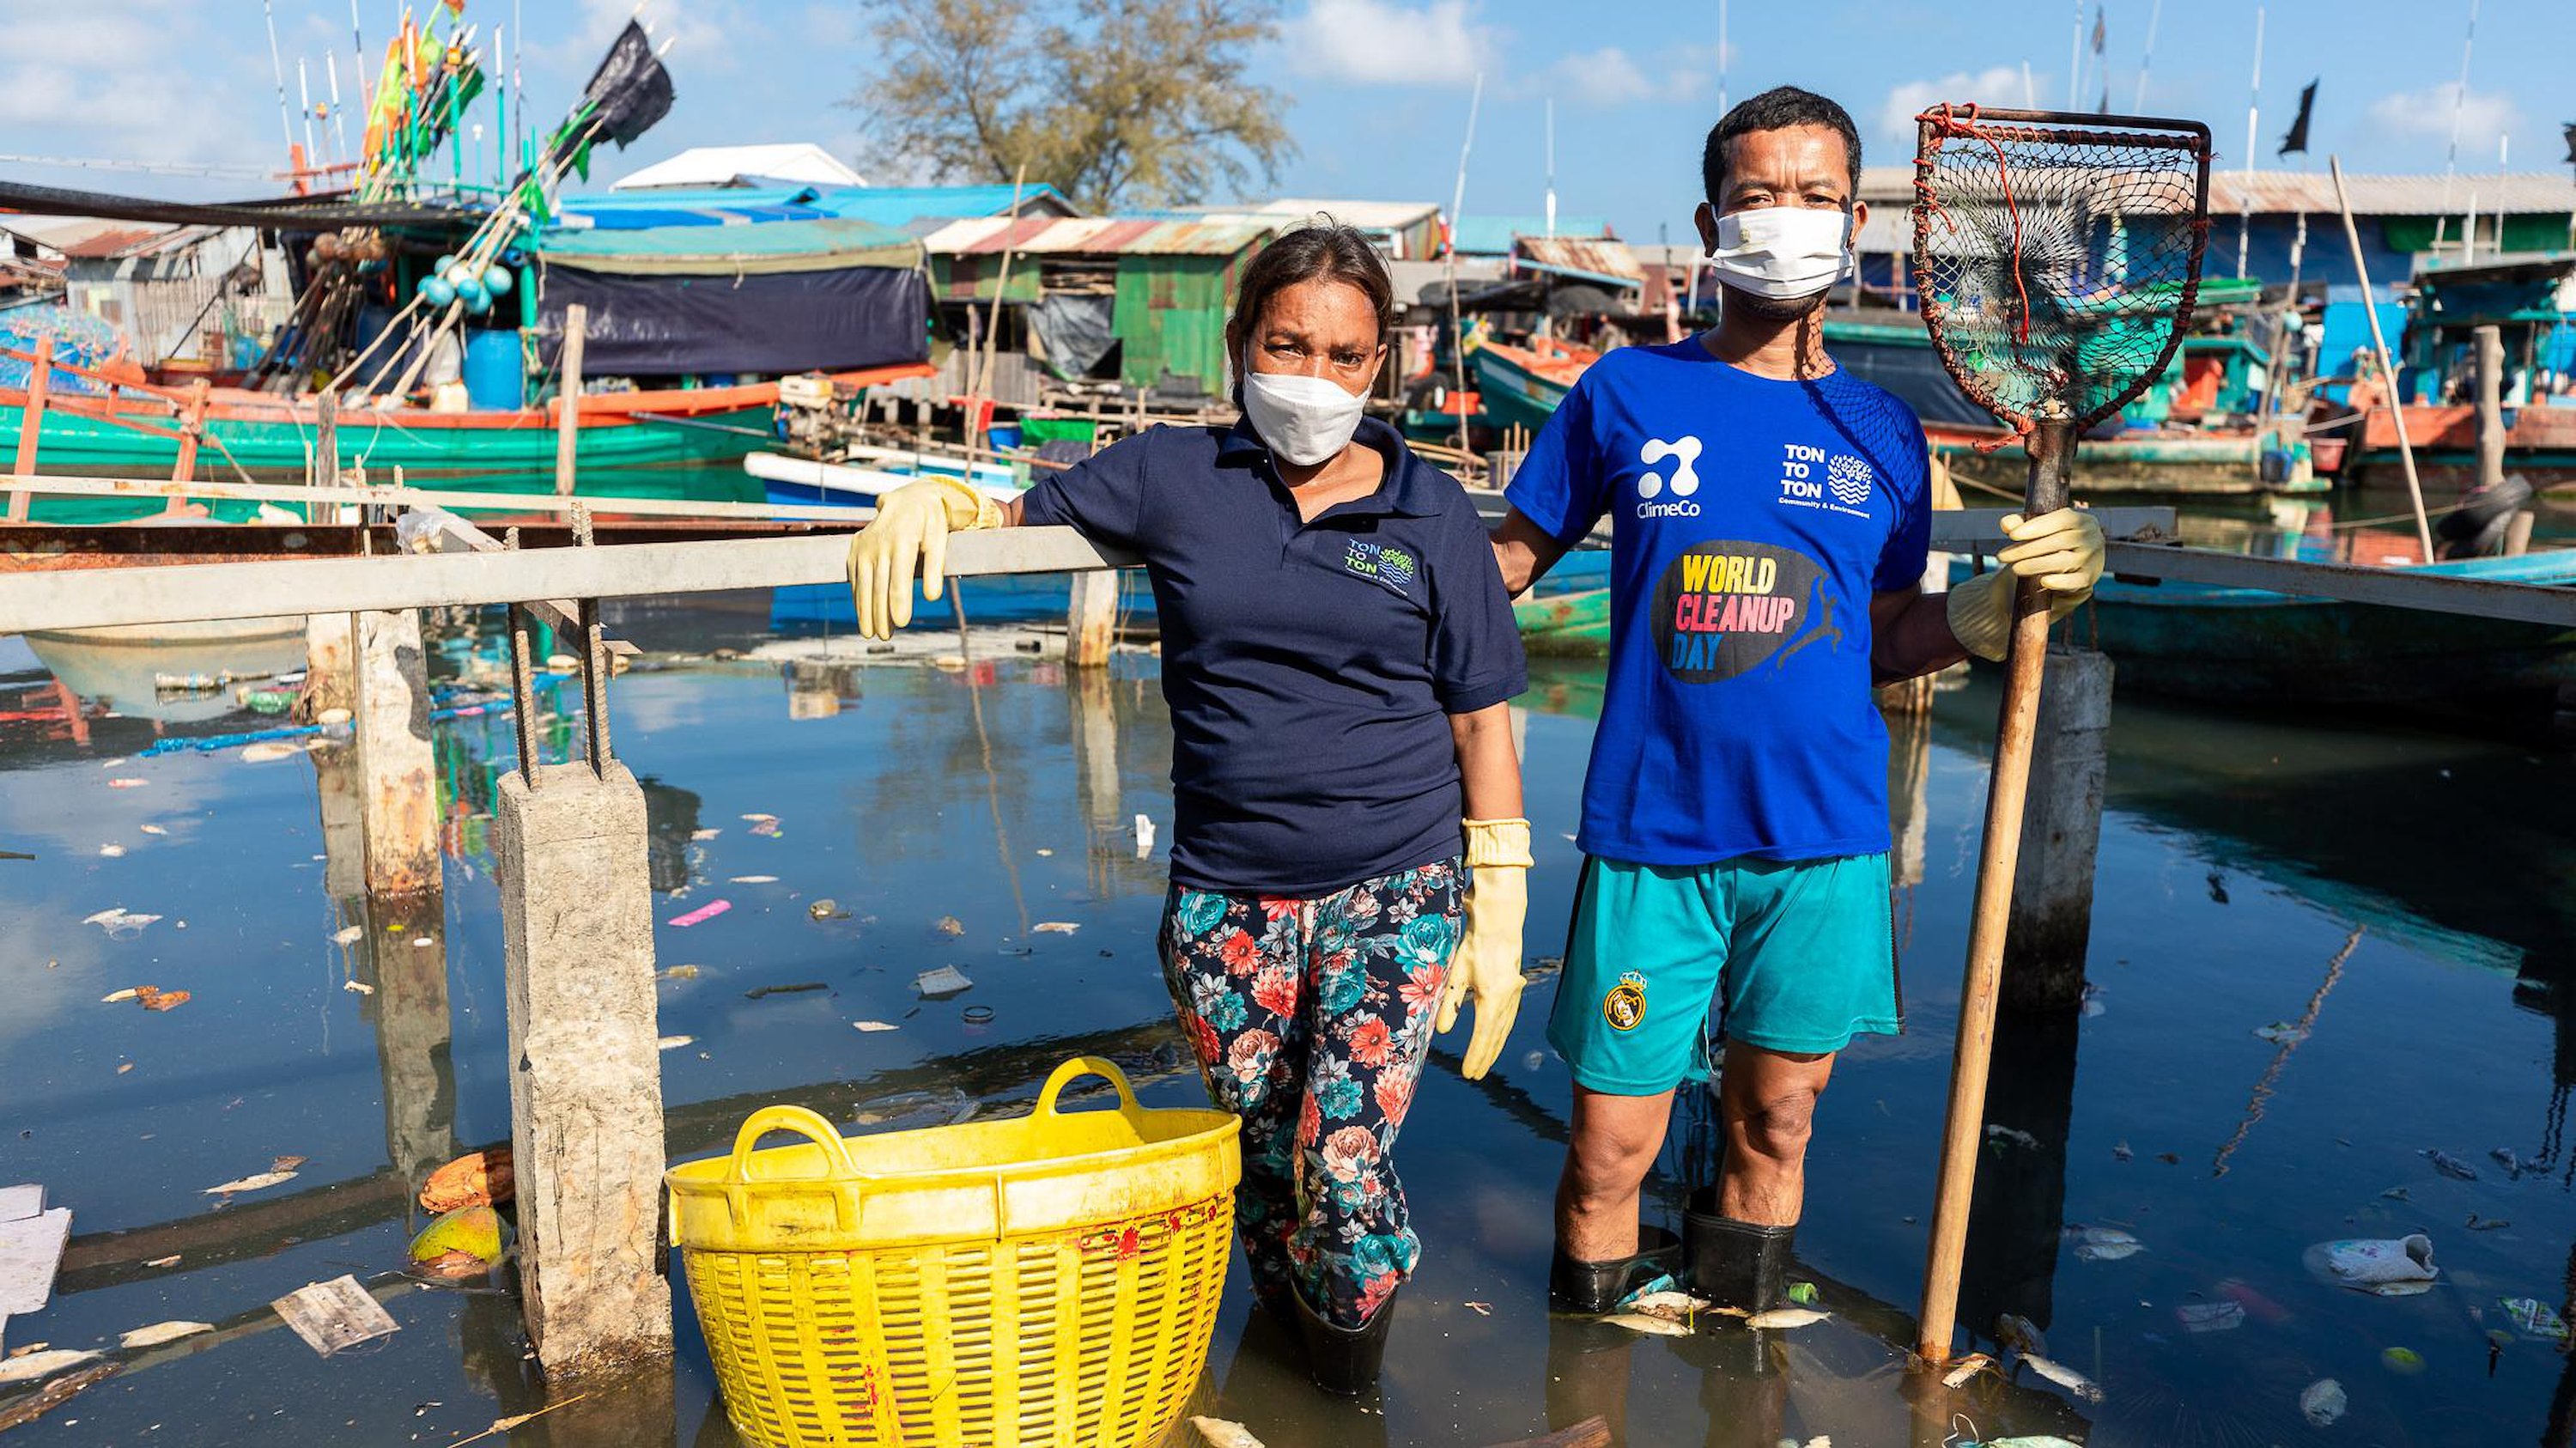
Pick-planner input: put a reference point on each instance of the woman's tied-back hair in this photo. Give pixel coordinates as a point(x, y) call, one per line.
point(1322, 249)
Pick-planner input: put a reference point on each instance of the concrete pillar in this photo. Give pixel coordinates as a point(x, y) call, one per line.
point(399, 774)
point(586, 1079)
point(330, 654)
point(1092, 619)
point(2052, 903)
point(342, 793)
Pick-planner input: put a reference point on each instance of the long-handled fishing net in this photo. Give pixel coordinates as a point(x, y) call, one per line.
point(2056, 259)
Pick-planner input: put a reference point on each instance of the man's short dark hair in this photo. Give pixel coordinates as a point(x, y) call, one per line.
point(1776, 109)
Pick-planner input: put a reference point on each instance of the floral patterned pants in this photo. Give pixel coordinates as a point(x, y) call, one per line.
point(1311, 1020)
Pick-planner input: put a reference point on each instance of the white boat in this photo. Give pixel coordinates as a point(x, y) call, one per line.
point(804, 480)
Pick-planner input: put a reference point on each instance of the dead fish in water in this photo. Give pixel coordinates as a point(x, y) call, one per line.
point(1780, 1319)
point(2103, 1244)
point(2019, 1333)
point(2449, 1165)
point(1648, 1324)
point(1671, 1306)
point(2065, 1377)
point(2323, 1402)
point(1224, 1433)
point(2511, 1163)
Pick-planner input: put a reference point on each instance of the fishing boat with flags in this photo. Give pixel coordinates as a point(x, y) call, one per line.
point(433, 310)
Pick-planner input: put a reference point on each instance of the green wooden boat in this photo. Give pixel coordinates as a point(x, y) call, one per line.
point(1565, 625)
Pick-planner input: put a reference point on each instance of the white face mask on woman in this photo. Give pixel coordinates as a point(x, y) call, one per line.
point(1305, 420)
point(1782, 252)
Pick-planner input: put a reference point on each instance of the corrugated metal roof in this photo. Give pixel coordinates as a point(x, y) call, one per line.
point(119, 242)
point(1095, 236)
point(2267, 193)
point(1588, 256)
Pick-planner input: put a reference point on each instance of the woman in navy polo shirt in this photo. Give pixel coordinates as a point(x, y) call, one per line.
point(1337, 653)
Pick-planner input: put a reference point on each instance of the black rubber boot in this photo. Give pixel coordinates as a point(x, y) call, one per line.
point(1596, 1287)
point(1344, 1360)
point(1734, 1264)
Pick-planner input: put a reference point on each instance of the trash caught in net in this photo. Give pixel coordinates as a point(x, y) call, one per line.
point(2057, 258)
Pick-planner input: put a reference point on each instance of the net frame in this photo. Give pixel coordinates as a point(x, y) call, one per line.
point(1941, 125)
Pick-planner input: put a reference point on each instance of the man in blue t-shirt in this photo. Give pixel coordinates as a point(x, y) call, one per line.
point(1772, 521)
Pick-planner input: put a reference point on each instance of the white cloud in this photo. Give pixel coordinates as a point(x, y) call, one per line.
point(1611, 77)
point(2483, 114)
point(1379, 42)
point(1997, 85)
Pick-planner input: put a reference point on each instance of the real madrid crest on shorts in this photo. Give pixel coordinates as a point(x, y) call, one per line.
point(1625, 1006)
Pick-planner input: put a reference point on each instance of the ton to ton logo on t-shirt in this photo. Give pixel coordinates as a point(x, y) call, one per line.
point(1726, 605)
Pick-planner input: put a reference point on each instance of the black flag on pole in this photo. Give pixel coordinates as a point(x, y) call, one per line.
point(2571, 143)
point(626, 95)
point(2297, 140)
point(2101, 30)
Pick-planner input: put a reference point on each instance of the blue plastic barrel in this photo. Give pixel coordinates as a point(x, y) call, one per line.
point(495, 378)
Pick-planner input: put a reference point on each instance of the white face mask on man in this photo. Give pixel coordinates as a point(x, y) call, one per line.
point(1783, 252)
point(1305, 420)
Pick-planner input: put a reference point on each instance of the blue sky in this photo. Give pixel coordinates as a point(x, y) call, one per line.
point(1378, 88)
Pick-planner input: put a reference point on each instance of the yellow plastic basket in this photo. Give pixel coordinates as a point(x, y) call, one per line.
point(1049, 1280)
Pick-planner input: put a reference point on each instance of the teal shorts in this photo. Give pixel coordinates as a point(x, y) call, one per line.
point(1793, 956)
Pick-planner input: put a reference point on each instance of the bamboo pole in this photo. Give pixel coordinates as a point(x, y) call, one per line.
point(31, 426)
point(2016, 731)
point(1001, 284)
point(2379, 349)
point(568, 398)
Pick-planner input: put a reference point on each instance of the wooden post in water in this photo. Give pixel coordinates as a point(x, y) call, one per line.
point(400, 791)
point(2488, 342)
point(568, 397)
point(31, 425)
point(2061, 830)
point(571, 858)
point(326, 445)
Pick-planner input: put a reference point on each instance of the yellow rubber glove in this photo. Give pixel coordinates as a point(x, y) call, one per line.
point(2062, 550)
point(912, 526)
point(1488, 958)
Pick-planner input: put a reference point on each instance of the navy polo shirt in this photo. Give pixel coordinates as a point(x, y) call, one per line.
point(1311, 667)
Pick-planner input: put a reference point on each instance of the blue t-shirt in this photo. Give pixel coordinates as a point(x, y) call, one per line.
point(1752, 521)
point(1311, 667)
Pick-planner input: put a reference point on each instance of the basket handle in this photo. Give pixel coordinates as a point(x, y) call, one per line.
point(1079, 1067)
point(799, 1120)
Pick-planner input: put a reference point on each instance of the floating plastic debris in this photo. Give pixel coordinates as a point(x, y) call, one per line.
point(2322, 1402)
point(673, 1043)
point(120, 923)
point(701, 915)
point(947, 980)
point(2394, 1267)
point(336, 1314)
point(259, 1182)
point(872, 1027)
point(1054, 927)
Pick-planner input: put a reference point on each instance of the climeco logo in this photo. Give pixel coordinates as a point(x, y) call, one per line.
point(1683, 452)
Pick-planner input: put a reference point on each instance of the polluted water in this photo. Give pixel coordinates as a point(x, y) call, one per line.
point(899, 811)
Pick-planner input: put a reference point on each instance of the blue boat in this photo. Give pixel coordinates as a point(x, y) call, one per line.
point(2251, 645)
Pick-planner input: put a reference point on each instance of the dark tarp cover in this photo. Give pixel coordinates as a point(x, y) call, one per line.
point(769, 323)
point(1075, 330)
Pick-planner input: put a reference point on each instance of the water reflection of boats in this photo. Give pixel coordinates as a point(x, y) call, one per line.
point(137, 671)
